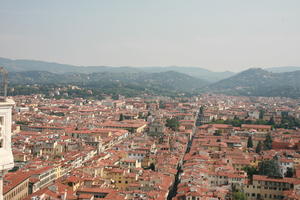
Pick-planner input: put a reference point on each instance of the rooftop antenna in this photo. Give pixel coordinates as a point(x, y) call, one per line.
point(3, 91)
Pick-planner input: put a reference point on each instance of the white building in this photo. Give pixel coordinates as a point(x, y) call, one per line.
point(6, 156)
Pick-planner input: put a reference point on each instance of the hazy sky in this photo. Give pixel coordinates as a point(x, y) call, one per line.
point(214, 34)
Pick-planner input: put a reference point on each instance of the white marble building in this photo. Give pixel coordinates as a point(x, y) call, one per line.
point(6, 156)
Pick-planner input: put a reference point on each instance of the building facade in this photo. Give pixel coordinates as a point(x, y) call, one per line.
point(6, 161)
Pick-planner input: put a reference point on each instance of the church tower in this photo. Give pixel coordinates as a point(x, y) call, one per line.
point(6, 156)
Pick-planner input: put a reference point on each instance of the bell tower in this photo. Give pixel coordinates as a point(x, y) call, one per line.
point(6, 105)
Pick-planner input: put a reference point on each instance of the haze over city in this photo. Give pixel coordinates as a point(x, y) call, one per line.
point(149, 100)
point(217, 35)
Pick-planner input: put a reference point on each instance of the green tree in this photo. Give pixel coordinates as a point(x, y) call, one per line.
point(289, 172)
point(269, 168)
point(271, 121)
point(250, 170)
point(238, 195)
point(268, 142)
point(57, 113)
point(259, 147)
point(284, 114)
point(288, 122)
point(201, 111)
point(261, 114)
point(141, 115)
point(121, 117)
point(217, 133)
point(173, 124)
point(162, 105)
point(22, 122)
point(152, 167)
point(250, 142)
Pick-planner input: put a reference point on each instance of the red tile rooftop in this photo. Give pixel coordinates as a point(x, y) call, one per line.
point(96, 190)
point(12, 179)
point(215, 126)
point(281, 180)
point(254, 126)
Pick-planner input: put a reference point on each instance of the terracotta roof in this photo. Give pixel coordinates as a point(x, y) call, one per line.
point(11, 180)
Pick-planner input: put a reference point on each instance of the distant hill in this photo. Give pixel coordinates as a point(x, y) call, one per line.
point(32, 65)
point(162, 81)
point(157, 80)
point(259, 82)
point(193, 71)
point(283, 69)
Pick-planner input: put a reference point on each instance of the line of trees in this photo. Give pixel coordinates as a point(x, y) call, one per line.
point(268, 168)
point(287, 122)
point(265, 145)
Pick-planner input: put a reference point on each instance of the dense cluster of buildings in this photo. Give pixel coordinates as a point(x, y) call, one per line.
point(109, 149)
point(78, 149)
point(216, 165)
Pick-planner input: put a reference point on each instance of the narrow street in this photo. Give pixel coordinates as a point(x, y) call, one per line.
point(173, 190)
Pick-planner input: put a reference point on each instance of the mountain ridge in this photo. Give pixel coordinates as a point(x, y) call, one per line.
point(260, 82)
point(19, 65)
point(161, 81)
point(283, 69)
point(250, 82)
